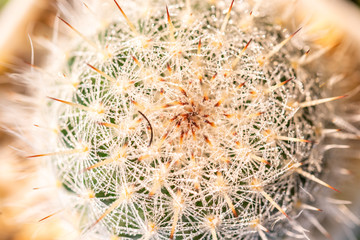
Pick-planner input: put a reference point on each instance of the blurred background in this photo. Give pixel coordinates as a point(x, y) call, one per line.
point(22, 20)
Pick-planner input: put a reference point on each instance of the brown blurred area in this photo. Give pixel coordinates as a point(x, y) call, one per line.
point(18, 18)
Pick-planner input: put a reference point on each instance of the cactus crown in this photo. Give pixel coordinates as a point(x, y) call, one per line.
point(186, 126)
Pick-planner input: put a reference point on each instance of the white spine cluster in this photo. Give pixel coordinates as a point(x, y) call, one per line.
point(191, 121)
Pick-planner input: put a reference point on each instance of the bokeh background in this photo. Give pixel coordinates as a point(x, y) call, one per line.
point(22, 20)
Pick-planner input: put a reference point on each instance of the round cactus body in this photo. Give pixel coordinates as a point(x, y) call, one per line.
point(196, 121)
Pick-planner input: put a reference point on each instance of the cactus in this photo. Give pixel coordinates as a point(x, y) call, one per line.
point(193, 121)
